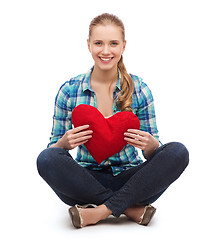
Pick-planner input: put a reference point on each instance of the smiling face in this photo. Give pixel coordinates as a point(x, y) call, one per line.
point(106, 45)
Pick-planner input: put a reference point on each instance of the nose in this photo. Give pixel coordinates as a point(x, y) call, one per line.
point(105, 50)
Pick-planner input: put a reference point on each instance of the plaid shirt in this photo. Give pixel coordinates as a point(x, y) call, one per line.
point(78, 91)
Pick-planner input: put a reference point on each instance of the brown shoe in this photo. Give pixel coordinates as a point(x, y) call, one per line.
point(146, 217)
point(75, 215)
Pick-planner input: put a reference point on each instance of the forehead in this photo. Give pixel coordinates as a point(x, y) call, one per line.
point(106, 32)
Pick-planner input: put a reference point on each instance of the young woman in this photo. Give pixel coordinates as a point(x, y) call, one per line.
point(122, 183)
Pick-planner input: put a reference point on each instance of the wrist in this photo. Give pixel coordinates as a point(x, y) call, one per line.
point(58, 144)
point(149, 152)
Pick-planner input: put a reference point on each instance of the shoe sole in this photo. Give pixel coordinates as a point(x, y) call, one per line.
point(149, 213)
point(75, 217)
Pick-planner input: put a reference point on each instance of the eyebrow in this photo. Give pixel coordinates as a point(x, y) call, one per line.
point(102, 40)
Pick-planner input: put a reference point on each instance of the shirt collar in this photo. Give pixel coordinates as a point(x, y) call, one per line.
point(86, 83)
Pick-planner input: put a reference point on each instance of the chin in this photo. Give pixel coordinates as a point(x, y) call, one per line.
point(107, 67)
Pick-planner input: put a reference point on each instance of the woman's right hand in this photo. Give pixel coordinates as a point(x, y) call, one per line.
point(74, 137)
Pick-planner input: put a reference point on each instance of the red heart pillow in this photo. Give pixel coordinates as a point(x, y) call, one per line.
point(108, 133)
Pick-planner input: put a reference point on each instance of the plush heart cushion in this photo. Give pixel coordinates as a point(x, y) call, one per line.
point(108, 133)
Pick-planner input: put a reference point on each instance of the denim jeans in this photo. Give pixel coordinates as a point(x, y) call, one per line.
point(140, 185)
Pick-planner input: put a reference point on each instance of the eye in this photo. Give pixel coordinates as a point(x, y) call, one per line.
point(114, 43)
point(98, 43)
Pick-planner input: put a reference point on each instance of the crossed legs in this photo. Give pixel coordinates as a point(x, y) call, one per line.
point(140, 185)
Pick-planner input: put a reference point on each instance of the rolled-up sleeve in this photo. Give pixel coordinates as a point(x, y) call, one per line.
point(62, 114)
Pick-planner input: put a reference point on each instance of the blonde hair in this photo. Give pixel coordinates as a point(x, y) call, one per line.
point(124, 97)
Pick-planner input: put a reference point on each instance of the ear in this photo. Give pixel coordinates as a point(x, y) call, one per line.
point(88, 44)
point(124, 45)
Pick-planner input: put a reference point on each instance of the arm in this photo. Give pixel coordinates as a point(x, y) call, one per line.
point(146, 138)
point(62, 116)
point(63, 136)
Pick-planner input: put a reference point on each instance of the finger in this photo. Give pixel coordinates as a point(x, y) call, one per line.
point(135, 145)
point(78, 144)
point(134, 136)
point(139, 132)
point(134, 141)
point(80, 128)
point(81, 139)
point(83, 133)
point(136, 131)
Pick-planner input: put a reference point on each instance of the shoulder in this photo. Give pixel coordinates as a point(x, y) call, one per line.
point(73, 85)
point(139, 84)
point(77, 80)
point(74, 81)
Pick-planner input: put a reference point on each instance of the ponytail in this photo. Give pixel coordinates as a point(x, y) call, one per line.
point(124, 100)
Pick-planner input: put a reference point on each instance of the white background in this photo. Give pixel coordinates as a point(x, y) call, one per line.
point(173, 45)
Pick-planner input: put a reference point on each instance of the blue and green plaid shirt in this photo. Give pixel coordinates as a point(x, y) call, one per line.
point(78, 91)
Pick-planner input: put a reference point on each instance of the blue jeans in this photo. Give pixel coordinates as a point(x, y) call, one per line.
point(140, 185)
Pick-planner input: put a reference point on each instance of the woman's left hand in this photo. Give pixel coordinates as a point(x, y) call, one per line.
point(143, 140)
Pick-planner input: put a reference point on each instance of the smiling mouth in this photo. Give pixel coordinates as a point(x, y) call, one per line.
point(106, 59)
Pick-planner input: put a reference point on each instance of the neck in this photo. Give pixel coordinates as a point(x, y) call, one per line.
point(104, 76)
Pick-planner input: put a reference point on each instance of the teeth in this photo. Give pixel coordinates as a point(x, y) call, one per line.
point(105, 59)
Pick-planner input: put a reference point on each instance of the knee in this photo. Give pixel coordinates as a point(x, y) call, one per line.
point(48, 159)
point(44, 159)
point(180, 152)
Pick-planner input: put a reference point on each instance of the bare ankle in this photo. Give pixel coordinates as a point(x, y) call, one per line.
point(104, 211)
point(92, 216)
point(135, 212)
